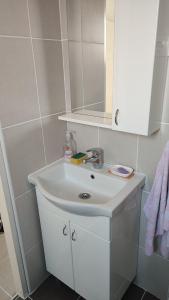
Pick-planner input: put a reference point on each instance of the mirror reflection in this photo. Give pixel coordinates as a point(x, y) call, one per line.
point(90, 39)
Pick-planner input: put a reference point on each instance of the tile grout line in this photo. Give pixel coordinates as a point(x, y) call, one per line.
point(48, 39)
point(25, 193)
point(15, 297)
point(5, 292)
point(30, 37)
point(88, 105)
point(36, 82)
point(137, 153)
point(142, 298)
point(33, 120)
point(98, 136)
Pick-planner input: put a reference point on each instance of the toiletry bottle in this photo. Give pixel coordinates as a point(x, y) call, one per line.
point(70, 146)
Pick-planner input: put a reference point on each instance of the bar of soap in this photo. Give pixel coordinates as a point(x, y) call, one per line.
point(122, 171)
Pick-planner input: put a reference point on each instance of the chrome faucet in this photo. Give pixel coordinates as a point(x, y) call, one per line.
point(96, 157)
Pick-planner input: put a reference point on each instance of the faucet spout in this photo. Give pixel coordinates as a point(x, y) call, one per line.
point(96, 157)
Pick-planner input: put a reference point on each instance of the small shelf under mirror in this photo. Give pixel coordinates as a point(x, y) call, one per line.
point(87, 120)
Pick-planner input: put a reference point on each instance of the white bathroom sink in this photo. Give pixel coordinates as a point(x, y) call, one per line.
point(66, 184)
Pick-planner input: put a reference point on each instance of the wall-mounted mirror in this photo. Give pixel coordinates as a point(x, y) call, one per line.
point(90, 39)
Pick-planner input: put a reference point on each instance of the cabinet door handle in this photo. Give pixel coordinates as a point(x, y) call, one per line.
point(65, 231)
point(73, 236)
point(116, 117)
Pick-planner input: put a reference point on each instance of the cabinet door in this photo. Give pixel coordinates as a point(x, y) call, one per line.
point(57, 246)
point(136, 24)
point(91, 263)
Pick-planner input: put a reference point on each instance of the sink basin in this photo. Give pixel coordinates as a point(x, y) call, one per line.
point(81, 190)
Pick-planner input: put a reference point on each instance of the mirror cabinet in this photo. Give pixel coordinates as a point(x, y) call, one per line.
point(117, 57)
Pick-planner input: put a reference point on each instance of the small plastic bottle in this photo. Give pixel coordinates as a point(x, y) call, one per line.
point(70, 146)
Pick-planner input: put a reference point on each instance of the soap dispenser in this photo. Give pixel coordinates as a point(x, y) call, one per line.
point(70, 146)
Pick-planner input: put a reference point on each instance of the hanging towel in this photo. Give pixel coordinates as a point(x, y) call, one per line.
point(157, 208)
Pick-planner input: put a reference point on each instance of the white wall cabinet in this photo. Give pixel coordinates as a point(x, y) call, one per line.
point(96, 256)
point(140, 65)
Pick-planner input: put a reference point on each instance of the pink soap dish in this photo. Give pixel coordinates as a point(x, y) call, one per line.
point(121, 170)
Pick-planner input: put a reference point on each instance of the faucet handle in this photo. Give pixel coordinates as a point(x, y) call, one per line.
point(95, 151)
point(96, 157)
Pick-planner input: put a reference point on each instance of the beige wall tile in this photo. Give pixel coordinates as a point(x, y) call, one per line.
point(74, 19)
point(150, 150)
point(49, 66)
point(85, 136)
point(36, 266)
point(45, 18)
point(54, 136)
point(93, 20)
point(120, 148)
point(76, 81)
point(28, 217)
point(63, 19)
point(25, 153)
point(93, 72)
point(14, 18)
point(18, 101)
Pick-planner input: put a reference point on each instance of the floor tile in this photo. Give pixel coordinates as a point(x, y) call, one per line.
point(18, 298)
point(3, 252)
point(133, 293)
point(54, 289)
point(6, 277)
point(148, 296)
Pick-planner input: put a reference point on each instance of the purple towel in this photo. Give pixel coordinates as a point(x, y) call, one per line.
point(157, 208)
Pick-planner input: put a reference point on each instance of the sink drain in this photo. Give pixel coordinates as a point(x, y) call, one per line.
point(84, 196)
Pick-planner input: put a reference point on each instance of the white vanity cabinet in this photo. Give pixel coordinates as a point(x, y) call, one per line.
point(91, 261)
point(96, 256)
point(57, 246)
